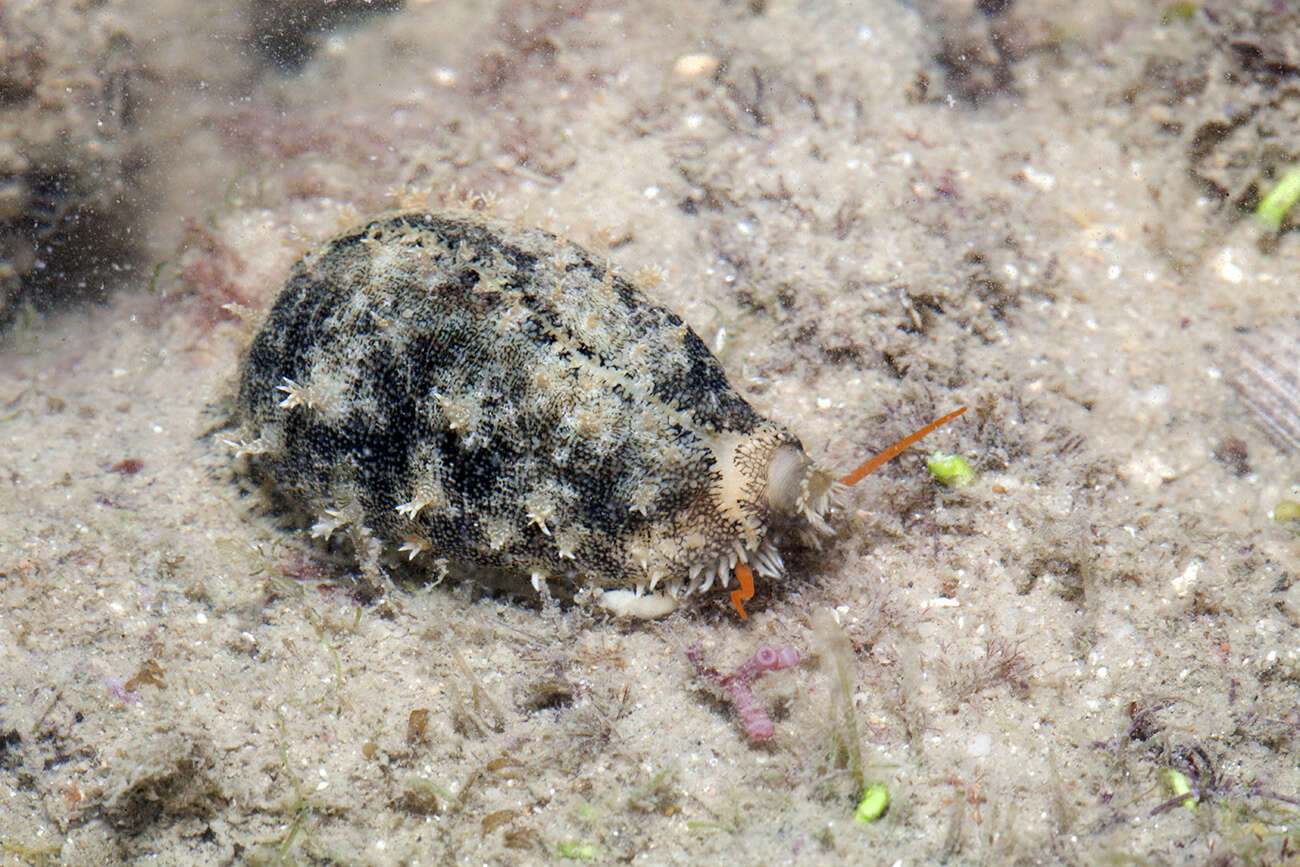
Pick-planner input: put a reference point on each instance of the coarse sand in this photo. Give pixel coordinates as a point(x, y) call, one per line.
point(874, 213)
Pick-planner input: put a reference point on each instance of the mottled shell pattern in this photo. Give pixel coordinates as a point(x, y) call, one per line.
point(477, 396)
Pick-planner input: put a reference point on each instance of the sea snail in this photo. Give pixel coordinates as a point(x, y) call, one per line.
point(487, 399)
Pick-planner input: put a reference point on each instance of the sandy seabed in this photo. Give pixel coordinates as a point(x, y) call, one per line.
point(874, 213)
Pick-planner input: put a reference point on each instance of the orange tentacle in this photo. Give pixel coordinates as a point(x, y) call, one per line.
point(746, 578)
point(896, 449)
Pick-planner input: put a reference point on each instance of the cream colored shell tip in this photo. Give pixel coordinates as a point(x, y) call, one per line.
point(474, 397)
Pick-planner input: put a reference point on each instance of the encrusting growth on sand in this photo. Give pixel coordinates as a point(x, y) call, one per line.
point(474, 396)
point(738, 685)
